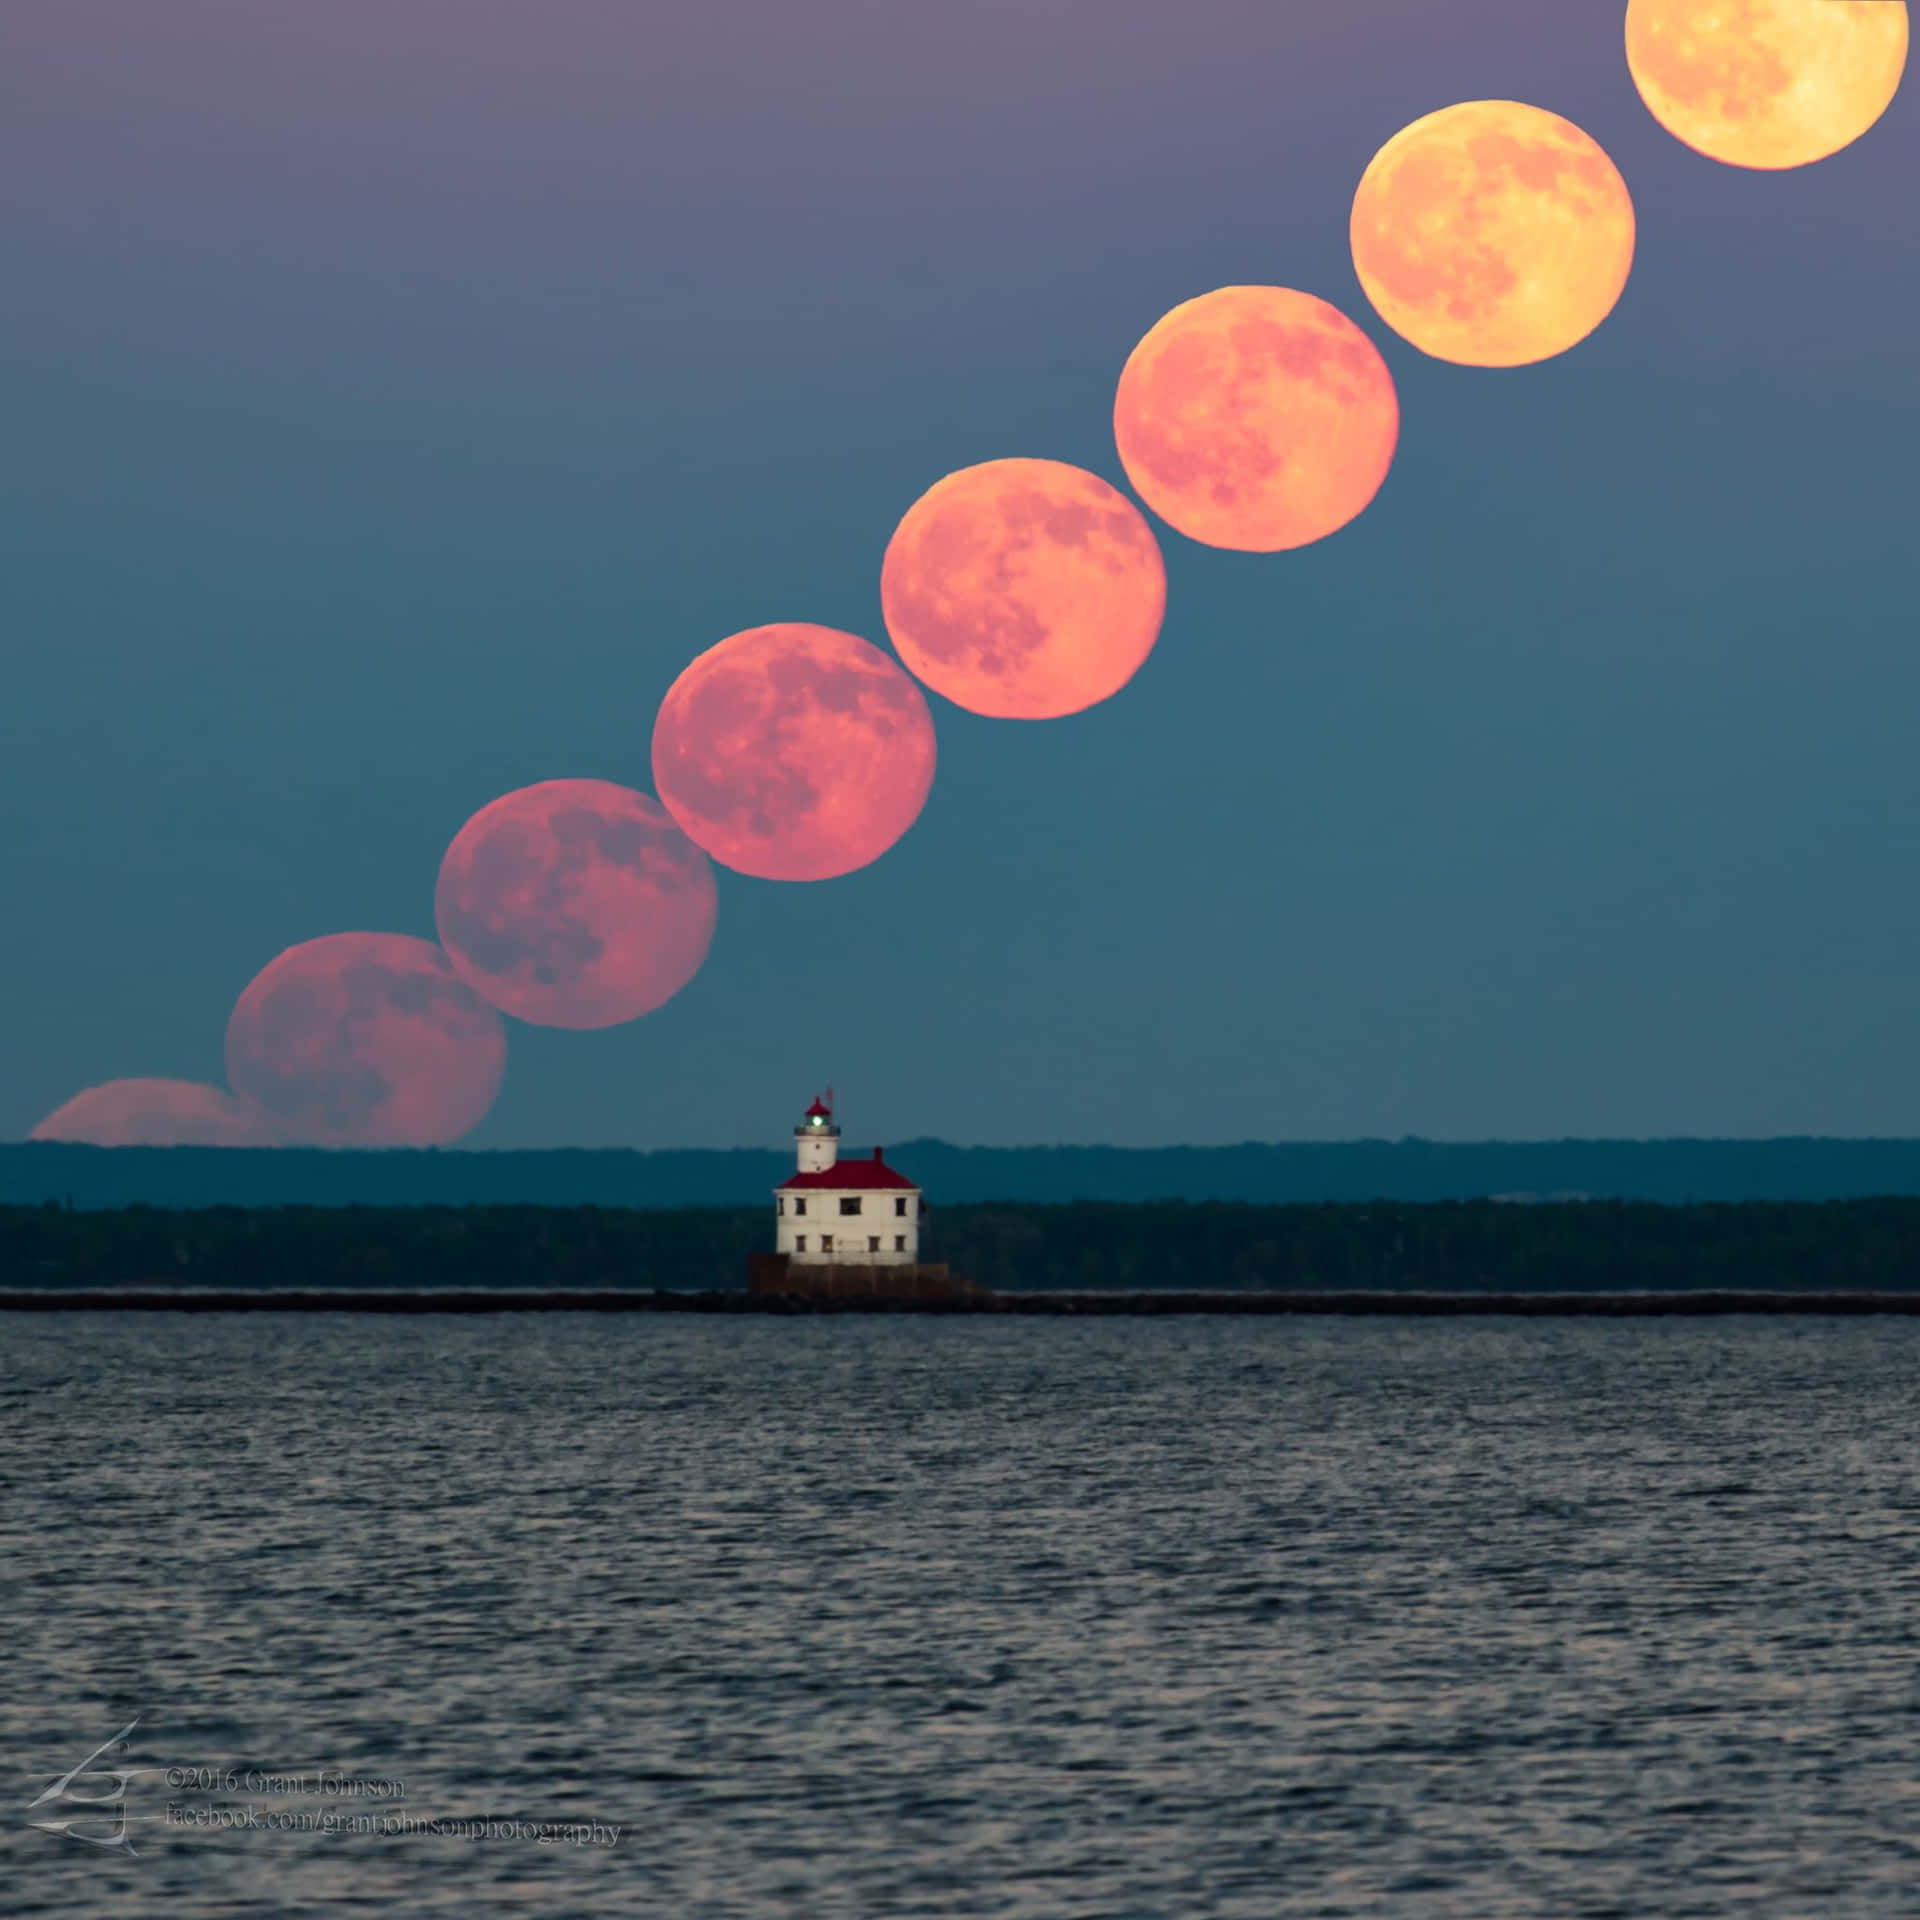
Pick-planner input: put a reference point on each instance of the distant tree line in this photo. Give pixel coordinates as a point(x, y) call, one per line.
point(1464, 1246)
point(1299, 1173)
point(1450, 1247)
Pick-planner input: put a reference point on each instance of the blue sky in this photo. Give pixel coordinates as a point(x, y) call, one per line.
point(398, 399)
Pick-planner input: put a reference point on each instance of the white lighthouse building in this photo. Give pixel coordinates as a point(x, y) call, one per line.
point(831, 1212)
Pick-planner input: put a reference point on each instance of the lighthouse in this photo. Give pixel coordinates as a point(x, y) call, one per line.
point(847, 1233)
point(831, 1212)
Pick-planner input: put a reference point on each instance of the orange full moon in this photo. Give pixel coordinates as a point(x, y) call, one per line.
point(1767, 83)
point(793, 752)
point(366, 1040)
point(156, 1113)
point(1492, 234)
point(1256, 418)
point(575, 903)
point(1023, 589)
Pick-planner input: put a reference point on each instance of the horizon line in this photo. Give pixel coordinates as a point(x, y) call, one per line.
point(1402, 1141)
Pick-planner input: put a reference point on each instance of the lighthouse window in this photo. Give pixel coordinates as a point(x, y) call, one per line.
point(799, 1206)
point(900, 1208)
point(873, 1243)
point(782, 1206)
point(899, 1243)
point(850, 1206)
point(800, 1243)
point(826, 1243)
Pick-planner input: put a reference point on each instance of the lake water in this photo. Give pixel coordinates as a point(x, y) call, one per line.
point(930, 1617)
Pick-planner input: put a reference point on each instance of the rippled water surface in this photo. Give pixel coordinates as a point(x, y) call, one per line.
point(908, 1616)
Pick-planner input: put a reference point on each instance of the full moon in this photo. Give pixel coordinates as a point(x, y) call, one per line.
point(1493, 234)
point(575, 903)
point(1767, 83)
point(1256, 418)
point(1023, 589)
point(366, 1040)
point(156, 1113)
point(793, 752)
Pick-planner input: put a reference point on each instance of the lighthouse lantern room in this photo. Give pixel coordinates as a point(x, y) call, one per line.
point(831, 1212)
point(816, 1139)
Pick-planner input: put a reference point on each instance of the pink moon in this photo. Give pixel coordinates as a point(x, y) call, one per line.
point(575, 903)
point(156, 1113)
point(1023, 589)
point(794, 752)
point(366, 1040)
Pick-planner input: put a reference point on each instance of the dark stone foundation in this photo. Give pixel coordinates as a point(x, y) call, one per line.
point(776, 1273)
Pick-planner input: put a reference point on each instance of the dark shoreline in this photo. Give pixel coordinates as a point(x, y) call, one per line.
point(1452, 1249)
point(1142, 1304)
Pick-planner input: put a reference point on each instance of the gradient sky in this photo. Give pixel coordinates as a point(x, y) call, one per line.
point(400, 392)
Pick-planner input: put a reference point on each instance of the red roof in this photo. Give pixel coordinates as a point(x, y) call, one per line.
point(817, 1111)
point(865, 1176)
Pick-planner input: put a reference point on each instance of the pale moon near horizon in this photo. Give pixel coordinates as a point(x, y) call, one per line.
point(1492, 234)
point(794, 752)
point(1023, 589)
point(575, 903)
point(368, 1040)
point(1767, 83)
point(156, 1113)
point(1256, 418)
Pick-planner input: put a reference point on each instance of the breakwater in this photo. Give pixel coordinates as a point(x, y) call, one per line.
point(1137, 1305)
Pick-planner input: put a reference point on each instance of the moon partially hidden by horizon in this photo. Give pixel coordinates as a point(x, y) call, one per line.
point(575, 903)
point(794, 752)
point(1767, 83)
point(1492, 234)
point(1256, 418)
point(366, 1040)
point(1023, 589)
point(156, 1113)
